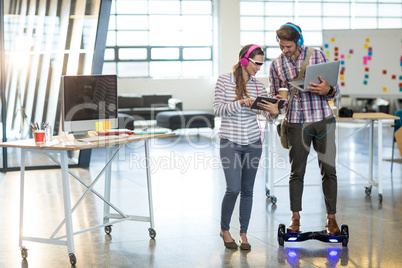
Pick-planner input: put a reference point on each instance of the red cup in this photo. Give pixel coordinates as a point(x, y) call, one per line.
point(39, 136)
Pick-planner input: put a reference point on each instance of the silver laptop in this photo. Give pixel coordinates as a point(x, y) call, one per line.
point(328, 71)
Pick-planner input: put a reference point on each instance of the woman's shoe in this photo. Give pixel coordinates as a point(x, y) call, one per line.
point(244, 246)
point(229, 245)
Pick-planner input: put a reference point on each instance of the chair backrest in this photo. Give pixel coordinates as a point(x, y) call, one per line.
point(398, 123)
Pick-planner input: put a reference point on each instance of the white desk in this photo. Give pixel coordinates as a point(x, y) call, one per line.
point(270, 181)
point(61, 149)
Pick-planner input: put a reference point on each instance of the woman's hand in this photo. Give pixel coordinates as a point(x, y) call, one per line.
point(247, 102)
point(271, 108)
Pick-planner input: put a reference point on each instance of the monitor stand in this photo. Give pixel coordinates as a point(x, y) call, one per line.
point(80, 135)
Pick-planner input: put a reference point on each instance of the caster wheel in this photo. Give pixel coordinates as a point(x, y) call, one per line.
point(281, 232)
point(379, 198)
point(268, 193)
point(368, 190)
point(152, 233)
point(24, 253)
point(273, 200)
point(345, 233)
point(73, 259)
point(108, 229)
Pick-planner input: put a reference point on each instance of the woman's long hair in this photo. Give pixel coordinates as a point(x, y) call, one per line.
point(241, 90)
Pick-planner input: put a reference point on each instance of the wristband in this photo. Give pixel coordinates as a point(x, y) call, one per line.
point(330, 91)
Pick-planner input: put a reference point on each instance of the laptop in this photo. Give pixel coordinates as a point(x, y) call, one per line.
point(328, 71)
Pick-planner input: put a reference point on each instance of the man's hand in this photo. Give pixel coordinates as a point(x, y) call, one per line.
point(321, 89)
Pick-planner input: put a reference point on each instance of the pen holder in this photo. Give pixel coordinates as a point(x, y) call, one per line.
point(39, 136)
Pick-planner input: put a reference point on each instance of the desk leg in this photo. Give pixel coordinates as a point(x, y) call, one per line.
point(22, 174)
point(267, 157)
point(371, 145)
point(67, 205)
point(108, 174)
point(272, 163)
point(151, 230)
point(379, 160)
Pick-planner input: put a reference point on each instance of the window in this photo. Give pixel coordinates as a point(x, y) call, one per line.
point(160, 38)
point(260, 19)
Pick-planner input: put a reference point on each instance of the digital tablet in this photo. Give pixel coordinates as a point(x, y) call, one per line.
point(273, 100)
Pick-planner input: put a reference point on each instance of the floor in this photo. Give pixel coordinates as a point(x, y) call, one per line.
point(188, 186)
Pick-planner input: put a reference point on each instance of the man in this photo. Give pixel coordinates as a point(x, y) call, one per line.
point(310, 121)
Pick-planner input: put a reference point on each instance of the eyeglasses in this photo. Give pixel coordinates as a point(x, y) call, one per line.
point(258, 63)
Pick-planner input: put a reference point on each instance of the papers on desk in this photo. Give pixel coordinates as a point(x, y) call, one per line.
point(105, 138)
point(63, 143)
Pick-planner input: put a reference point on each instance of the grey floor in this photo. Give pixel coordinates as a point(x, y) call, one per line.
point(188, 186)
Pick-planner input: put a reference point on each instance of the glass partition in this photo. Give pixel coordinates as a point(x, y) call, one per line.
point(42, 40)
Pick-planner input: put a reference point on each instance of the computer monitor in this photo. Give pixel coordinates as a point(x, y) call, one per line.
point(86, 100)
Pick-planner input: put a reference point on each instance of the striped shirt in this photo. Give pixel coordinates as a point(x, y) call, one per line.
point(239, 123)
point(305, 107)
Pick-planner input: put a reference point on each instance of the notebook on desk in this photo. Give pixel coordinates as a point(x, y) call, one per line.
point(328, 71)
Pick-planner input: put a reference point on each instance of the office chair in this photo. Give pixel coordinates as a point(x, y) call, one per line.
point(397, 125)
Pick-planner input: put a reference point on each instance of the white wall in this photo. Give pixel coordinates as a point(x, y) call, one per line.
point(197, 94)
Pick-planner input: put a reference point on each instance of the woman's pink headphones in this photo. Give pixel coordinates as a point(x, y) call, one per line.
point(244, 60)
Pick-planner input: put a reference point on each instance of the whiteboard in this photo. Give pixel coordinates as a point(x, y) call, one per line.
point(371, 61)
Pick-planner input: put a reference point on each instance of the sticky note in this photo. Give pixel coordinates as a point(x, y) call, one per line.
point(351, 51)
point(332, 39)
point(342, 56)
point(99, 126)
point(384, 89)
point(342, 78)
point(393, 77)
point(349, 57)
point(365, 82)
point(107, 125)
point(365, 46)
point(342, 84)
point(326, 46)
point(366, 76)
point(384, 71)
point(367, 40)
point(366, 69)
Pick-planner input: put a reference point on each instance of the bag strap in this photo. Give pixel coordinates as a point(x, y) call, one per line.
point(300, 76)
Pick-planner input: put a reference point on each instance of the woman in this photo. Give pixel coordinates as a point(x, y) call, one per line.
point(240, 137)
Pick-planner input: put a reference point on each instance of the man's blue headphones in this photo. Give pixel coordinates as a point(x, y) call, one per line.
point(301, 40)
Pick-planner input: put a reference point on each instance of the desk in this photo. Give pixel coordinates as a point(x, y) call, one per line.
point(371, 118)
point(67, 144)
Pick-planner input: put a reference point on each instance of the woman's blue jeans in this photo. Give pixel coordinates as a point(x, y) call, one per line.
point(240, 165)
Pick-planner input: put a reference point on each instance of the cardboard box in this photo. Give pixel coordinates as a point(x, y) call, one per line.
point(398, 138)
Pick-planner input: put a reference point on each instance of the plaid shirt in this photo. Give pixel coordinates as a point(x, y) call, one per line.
point(239, 123)
point(305, 107)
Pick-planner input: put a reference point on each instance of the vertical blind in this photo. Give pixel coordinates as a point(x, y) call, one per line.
point(44, 40)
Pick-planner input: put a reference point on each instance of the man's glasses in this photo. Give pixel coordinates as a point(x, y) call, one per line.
point(258, 63)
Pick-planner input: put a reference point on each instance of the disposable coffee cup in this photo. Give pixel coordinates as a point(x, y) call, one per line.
point(284, 93)
point(39, 136)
